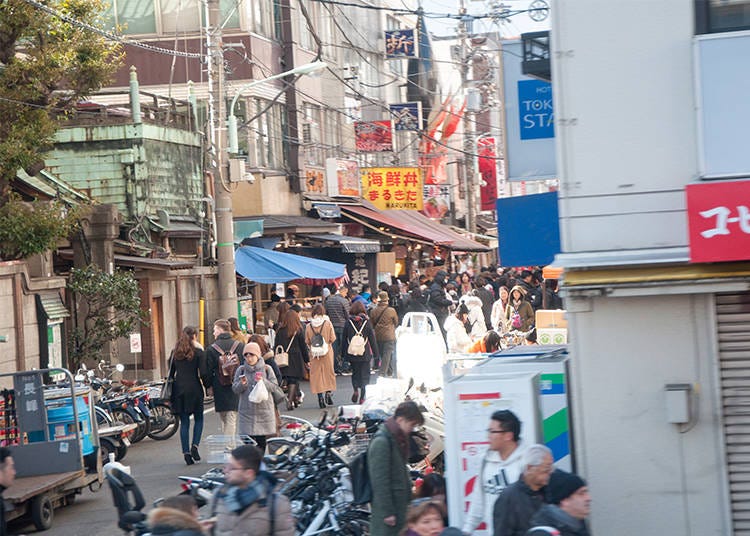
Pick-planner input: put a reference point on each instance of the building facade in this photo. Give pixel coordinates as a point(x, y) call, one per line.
point(660, 336)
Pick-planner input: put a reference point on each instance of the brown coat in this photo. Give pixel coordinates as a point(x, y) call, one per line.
point(384, 321)
point(254, 520)
point(322, 375)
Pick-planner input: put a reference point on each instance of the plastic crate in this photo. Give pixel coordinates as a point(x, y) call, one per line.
point(218, 447)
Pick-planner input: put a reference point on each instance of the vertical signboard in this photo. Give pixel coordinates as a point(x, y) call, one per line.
point(529, 120)
point(400, 43)
point(488, 169)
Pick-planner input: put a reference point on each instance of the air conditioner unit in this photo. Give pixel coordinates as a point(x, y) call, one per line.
point(238, 171)
point(310, 132)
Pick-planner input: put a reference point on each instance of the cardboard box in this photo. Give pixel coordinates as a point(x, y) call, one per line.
point(551, 319)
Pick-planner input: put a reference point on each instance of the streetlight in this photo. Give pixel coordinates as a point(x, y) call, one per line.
point(232, 120)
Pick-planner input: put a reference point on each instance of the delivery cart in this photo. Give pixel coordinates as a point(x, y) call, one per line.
point(52, 433)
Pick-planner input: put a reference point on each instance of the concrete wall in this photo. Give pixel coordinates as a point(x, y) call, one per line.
point(638, 466)
point(625, 122)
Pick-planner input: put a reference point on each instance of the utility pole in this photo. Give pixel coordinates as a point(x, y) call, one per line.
point(470, 146)
point(219, 163)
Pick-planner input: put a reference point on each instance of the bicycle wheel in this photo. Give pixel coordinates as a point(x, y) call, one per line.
point(163, 422)
point(124, 417)
point(354, 523)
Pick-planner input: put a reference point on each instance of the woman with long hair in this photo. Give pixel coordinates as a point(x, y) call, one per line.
point(359, 324)
point(290, 338)
point(466, 285)
point(519, 315)
point(498, 310)
point(237, 333)
point(188, 368)
point(322, 375)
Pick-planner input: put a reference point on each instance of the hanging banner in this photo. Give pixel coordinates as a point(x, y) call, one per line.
point(315, 181)
point(437, 200)
point(400, 44)
point(488, 168)
point(393, 188)
point(373, 136)
point(342, 177)
point(406, 116)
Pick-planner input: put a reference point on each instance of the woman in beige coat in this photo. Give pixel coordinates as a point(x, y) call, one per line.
point(322, 375)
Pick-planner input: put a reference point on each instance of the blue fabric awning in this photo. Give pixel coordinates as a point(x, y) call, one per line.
point(268, 266)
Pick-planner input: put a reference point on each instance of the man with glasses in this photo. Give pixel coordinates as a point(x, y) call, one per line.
point(519, 502)
point(501, 466)
point(247, 504)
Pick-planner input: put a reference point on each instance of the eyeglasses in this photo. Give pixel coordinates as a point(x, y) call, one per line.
point(229, 468)
point(491, 431)
point(248, 354)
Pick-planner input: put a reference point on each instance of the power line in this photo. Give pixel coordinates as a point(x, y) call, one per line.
point(107, 35)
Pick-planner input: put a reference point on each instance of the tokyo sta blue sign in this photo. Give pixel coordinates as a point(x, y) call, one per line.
point(535, 110)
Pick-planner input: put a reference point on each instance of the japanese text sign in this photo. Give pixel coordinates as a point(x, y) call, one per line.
point(393, 187)
point(400, 44)
point(373, 136)
point(719, 221)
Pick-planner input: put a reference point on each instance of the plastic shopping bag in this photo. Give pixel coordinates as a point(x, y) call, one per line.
point(259, 393)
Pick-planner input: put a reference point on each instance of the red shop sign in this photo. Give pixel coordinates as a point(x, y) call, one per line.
point(719, 221)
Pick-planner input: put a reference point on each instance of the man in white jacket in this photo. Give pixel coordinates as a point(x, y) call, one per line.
point(502, 465)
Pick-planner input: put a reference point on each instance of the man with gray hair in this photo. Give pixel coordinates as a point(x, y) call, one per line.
point(518, 502)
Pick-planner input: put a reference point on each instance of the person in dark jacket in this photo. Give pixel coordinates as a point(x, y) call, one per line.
point(291, 338)
point(531, 284)
point(337, 309)
point(175, 516)
point(190, 372)
point(389, 476)
point(488, 298)
point(517, 503)
point(359, 323)
point(570, 504)
point(7, 477)
point(225, 400)
point(438, 302)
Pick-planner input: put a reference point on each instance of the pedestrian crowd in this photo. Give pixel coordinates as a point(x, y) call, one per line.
point(252, 377)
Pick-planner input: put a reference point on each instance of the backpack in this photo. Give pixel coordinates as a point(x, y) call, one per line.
point(318, 345)
point(228, 363)
point(360, 475)
point(357, 343)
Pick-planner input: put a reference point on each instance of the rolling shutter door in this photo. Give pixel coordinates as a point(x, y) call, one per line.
point(733, 324)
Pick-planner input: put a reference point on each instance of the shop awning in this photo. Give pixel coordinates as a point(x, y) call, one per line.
point(268, 266)
point(416, 223)
point(349, 244)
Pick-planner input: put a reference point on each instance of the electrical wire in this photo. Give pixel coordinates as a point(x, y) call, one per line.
point(107, 35)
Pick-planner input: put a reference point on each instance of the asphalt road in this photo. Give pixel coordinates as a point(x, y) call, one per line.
point(155, 466)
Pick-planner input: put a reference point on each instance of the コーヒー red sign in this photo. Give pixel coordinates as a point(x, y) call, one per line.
point(719, 221)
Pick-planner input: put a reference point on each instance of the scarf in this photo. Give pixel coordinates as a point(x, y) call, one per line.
point(402, 442)
point(238, 499)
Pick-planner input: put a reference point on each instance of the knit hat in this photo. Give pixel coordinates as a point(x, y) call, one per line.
point(562, 485)
point(252, 348)
point(383, 297)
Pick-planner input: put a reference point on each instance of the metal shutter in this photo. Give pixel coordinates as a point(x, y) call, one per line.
point(733, 324)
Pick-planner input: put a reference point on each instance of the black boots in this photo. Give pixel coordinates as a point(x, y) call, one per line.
point(194, 453)
point(321, 402)
point(355, 395)
point(291, 397)
point(329, 398)
point(188, 458)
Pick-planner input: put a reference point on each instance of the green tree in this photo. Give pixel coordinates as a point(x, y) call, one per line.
point(30, 228)
point(108, 307)
point(47, 65)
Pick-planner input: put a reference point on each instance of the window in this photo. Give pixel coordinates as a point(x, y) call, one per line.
point(713, 16)
point(180, 16)
point(268, 149)
point(263, 22)
point(132, 16)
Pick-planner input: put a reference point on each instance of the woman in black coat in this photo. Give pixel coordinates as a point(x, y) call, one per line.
point(290, 338)
point(359, 323)
point(190, 373)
